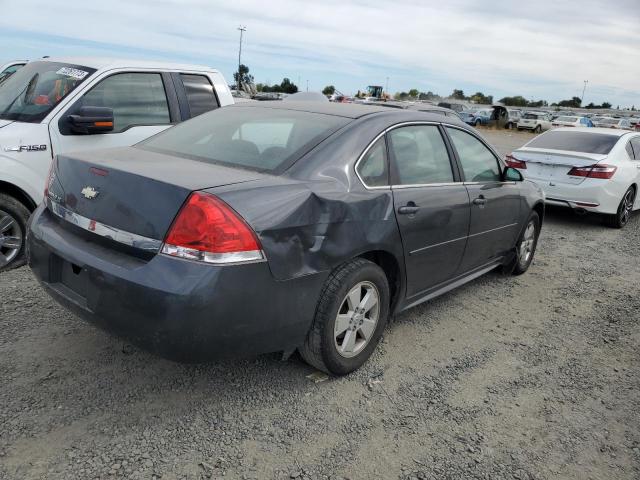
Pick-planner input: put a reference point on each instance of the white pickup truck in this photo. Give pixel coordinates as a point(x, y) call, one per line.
point(53, 106)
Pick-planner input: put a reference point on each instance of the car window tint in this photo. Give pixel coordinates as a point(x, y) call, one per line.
point(635, 143)
point(478, 162)
point(200, 94)
point(262, 139)
point(585, 142)
point(373, 166)
point(136, 99)
point(629, 149)
point(420, 154)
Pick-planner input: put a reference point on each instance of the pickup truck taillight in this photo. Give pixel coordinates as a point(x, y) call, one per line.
point(208, 230)
point(594, 171)
point(513, 162)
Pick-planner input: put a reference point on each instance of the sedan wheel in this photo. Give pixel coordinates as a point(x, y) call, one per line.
point(351, 315)
point(538, 129)
point(526, 246)
point(625, 209)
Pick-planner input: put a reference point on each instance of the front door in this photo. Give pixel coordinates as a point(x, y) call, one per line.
point(495, 204)
point(432, 206)
point(140, 110)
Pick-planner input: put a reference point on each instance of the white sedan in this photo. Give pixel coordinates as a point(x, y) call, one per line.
point(595, 170)
point(536, 121)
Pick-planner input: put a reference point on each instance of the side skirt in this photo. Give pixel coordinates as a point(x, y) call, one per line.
point(466, 278)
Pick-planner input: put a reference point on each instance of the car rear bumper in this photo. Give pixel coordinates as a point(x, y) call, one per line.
point(175, 308)
point(599, 196)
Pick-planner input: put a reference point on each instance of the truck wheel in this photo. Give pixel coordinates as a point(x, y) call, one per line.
point(351, 315)
point(13, 232)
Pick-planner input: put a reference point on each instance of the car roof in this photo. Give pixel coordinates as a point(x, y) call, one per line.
point(107, 63)
point(353, 111)
point(596, 130)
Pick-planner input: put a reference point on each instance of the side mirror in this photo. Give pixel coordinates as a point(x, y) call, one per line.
point(90, 120)
point(510, 174)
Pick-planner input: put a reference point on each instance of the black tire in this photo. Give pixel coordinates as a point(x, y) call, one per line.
point(538, 129)
point(519, 129)
point(320, 349)
point(625, 209)
point(477, 123)
point(520, 264)
point(20, 216)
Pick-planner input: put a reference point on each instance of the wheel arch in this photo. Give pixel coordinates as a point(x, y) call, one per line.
point(388, 262)
point(19, 194)
point(539, 209)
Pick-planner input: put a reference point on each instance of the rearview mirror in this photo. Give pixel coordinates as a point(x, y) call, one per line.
point(90, 120)
point(512, 175)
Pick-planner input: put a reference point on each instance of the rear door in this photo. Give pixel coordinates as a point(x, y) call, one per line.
point(431, 204)
point(495, 204)
point(143, 102)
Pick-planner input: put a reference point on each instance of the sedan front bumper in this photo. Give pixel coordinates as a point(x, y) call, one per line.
point(176, 308)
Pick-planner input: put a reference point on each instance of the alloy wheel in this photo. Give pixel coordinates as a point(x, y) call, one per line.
point(525, 250)
point(10, 238)
point(626, 207)
point(357, 319)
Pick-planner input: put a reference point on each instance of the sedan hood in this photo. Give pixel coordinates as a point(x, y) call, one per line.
point(134, 190)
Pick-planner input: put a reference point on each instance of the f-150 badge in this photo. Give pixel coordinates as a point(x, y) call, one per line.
point(26, 148)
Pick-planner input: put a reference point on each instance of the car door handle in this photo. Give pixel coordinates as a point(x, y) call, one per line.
point(409, 209)
point(480, 200)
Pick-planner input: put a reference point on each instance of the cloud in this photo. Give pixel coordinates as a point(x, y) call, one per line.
point(542, 49)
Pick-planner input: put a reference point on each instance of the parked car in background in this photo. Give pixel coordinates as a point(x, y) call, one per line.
point(594, 170)
point(456, 107)
point(428, 108)
point(8, 69)
point(337, 216)
point(513, 116)
point(610, 122)
point(54, 106)
point(634, 121)
point(572, 121)
point(535, 121)
point(562, 113)
point(480, 116)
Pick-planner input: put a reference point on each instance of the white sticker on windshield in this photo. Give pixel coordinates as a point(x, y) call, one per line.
point(72, 72)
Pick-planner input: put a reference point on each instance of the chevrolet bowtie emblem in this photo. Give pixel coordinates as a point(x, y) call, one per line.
point(89, 193)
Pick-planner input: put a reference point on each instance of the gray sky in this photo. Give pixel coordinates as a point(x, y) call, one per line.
point(541, 49)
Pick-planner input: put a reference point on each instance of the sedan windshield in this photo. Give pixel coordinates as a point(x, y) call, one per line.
point(262, 139)
point(575, 142)
point(32, 92)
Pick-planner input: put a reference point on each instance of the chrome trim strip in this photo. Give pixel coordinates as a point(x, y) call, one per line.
point(115, 234)
point(462, 238)
point(560, 200)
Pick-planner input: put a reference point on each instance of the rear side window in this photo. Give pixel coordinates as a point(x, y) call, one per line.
point(477, 161)
point(136, 99)
point(257, 138)
point(585, 142)
point(420, 155)
point(635, 145)
point(373, 167)
point(630, 152)
point(200, 94)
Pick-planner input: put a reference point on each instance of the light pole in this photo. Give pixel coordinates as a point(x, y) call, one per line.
point(307, 85)
point(583, 89)
point(386, 87)
point(242, 29)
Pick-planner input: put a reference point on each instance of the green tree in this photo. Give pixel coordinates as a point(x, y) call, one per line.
point(458, 95)
point(414, 92)
point(329, 90)
point(517, 101)
point(245, 76)
point(287, 86)
point(575, 102)
point(481, 98)
point(428, 96)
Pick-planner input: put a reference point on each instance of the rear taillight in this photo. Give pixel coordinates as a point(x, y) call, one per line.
point(513, 162)
point(51, 176)
point(208, 230)
point(594, 171)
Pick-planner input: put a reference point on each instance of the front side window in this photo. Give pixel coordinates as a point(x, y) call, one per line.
point(256, 138)
point(420, 155)
point(29, 94)
point(136, 99)
point(478, 163)
point(200, 94)
point(373, 166)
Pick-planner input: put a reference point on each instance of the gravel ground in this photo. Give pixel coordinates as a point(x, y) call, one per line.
point(534, 377)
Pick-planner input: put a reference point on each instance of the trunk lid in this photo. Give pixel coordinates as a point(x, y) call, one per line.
point(134, 190)
point(553, 166)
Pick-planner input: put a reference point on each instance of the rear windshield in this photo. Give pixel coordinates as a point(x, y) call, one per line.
point(531, 115)
point(585, 142)
point(33, 91)
point(262, 139)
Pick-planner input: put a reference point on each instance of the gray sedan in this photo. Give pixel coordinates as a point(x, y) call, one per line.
point(274, 227)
